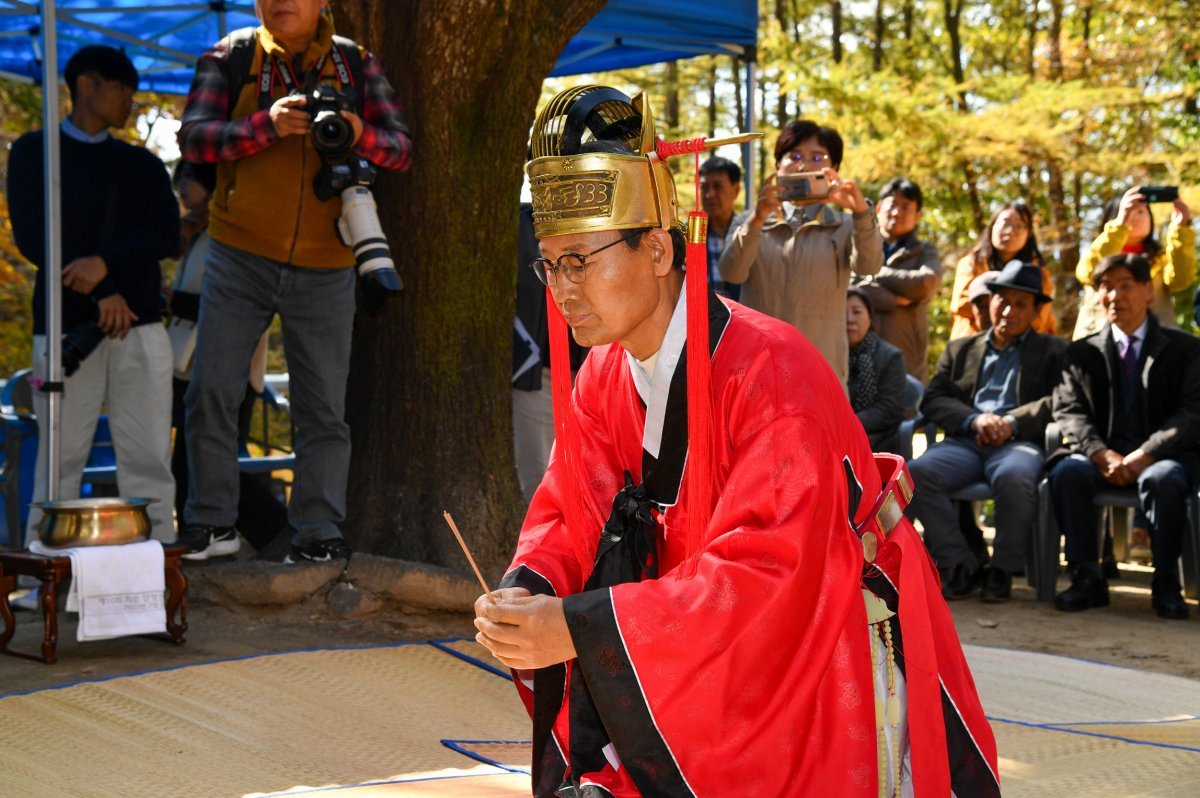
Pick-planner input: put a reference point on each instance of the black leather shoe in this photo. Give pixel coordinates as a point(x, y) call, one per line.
point(997, 587)
point(1088, 589)
point(960, 583)
point(1167, 600)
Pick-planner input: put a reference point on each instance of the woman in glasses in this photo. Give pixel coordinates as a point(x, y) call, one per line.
point(1009, 235)
point(1126, 225)
point(793, 254)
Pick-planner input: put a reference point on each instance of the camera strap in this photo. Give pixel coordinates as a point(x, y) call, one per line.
point(273, 65)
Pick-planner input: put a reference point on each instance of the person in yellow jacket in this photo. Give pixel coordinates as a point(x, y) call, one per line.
point(1010, 235)
point(1127, 226)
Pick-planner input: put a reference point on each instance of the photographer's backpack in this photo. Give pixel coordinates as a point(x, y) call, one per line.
point(242, 43)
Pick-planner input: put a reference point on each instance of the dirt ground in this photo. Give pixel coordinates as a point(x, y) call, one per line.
point(1128, 634)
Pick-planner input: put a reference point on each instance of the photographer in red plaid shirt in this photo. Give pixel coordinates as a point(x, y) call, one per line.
point(276, 249)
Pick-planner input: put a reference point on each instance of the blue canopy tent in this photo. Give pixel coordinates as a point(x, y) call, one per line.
point(163, 38)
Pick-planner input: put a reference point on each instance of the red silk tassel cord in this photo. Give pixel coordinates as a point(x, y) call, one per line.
point(699, 367)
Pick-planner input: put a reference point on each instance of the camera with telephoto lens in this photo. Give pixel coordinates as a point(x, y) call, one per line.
point(78, 343)
point(332, 134)
point(358, 227)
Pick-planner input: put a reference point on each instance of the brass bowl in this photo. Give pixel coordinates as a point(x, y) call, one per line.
point(93, 522)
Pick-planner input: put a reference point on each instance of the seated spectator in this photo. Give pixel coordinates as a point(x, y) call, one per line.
point(1127, 226)
point(1010, 235)
point(720, 185)
point(991, 393)
point(911, 275)
point(260, 515)
point(794, 260)
point(1129, 410)
point(876, 376)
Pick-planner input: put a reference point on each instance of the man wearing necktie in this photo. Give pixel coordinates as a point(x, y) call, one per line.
point(1129, 410)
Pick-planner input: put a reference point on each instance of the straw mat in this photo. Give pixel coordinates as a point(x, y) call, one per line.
point(441, 719)
point(264, 725)
point(1070, 727)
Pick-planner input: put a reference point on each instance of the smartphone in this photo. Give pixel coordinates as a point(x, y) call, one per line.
point(803, 186)
point(1159, 193)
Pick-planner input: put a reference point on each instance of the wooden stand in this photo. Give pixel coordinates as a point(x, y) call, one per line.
point(54, 571)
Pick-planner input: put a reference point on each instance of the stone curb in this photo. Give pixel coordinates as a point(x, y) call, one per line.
point(259, 583)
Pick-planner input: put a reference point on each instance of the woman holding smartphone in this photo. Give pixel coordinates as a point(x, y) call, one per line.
point(794, 254)
point(1128, 226)
point(1010, 235)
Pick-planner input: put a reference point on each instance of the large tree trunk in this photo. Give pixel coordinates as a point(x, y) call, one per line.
point(429, 399)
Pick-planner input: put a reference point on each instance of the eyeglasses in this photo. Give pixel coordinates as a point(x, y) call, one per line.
point(814, 158)
point(571, 264)
point(1013, 227)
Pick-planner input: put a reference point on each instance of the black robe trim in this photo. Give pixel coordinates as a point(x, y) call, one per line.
point(549, 689)
point(619, 703)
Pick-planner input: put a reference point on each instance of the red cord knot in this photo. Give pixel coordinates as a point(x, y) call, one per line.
point(665, 149)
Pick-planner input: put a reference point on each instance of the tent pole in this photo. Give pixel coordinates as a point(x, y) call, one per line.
point(749, 158)
point(51, 427)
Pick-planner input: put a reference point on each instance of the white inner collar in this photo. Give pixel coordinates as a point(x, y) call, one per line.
point(661, 367)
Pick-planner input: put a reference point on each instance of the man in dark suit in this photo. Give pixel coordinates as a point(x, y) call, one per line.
point(1129, 410)
point(991, 393)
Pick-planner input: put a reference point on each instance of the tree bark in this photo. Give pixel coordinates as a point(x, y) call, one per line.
point(712, 97)
point(1054, 39)
point(952, 14)
point(877, 44)
point(835, 7)
point(1085, 46)
point(671, 101)
point(735, 67)
point(429, 397)
point(1031, 28)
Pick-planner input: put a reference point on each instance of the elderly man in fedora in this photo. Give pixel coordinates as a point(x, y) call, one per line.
point(991, 394)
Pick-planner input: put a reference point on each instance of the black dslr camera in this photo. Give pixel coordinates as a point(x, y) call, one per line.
point(332, 134)
point(78, 343)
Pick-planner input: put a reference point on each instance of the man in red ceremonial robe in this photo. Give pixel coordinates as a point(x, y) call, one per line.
point(783, 635)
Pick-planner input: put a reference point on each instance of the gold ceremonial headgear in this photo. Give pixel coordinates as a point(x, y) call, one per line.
point(581, 192)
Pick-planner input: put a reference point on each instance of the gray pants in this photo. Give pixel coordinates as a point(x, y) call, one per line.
point(1012, 470)
point(533, 434)
point(240, 296)
point(131, 378)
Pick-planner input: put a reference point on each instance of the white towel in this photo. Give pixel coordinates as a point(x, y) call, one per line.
point(117, 590)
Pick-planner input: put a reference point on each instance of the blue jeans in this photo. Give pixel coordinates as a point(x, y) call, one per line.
point(1163, 490)
point(1012, 471)
point(241, 294)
